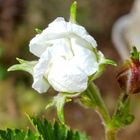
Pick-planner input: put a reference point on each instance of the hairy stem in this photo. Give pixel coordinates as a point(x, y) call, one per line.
point(110, 134)
point(100, 107)
point(98, 104)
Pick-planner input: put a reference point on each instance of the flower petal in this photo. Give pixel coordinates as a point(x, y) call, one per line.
point(58, 29)
point(38, 44)
point(61, 47)
point(59, 25)
point(84, 58)
point(40, 83)
point(64, 76)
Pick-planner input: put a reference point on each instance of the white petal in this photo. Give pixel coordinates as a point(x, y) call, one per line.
point(84, 58)
point(39, 44)
point(58, 29)
point(81, 31)
point(40, 84)
point(61, 47)
point(61, 26)
point(64, 76)
point(91, 40)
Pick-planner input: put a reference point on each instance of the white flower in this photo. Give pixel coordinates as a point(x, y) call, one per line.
point(66, 57)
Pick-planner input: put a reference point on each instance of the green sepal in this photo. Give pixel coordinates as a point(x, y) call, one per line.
point(102, 64)
point(109, 62)
point(101, 69)
point(91, 96)
point(59, 102)
point(38, 31)
point(73, 11)
point(97, 74)
point(122, 116)
point(87, 101)
point(24, 65)
point(134, 54)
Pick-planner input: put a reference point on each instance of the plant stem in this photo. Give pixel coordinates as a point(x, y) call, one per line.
point(100, 107)
point(110, 134)
point(98, 104)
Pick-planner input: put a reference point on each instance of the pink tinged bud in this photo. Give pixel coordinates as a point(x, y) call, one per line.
point(129, 77)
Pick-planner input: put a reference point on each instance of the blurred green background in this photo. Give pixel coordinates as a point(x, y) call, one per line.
point(18, 20)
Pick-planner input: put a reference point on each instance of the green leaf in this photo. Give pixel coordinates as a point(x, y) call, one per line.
point(73, 10)
point(122, 116)
point(60, 132)
point(24, 65)
point(16, 134)
point(56, 131)
point(44, 130)
point(30, 135)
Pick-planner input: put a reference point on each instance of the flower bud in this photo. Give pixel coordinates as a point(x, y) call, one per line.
point(129, 75)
